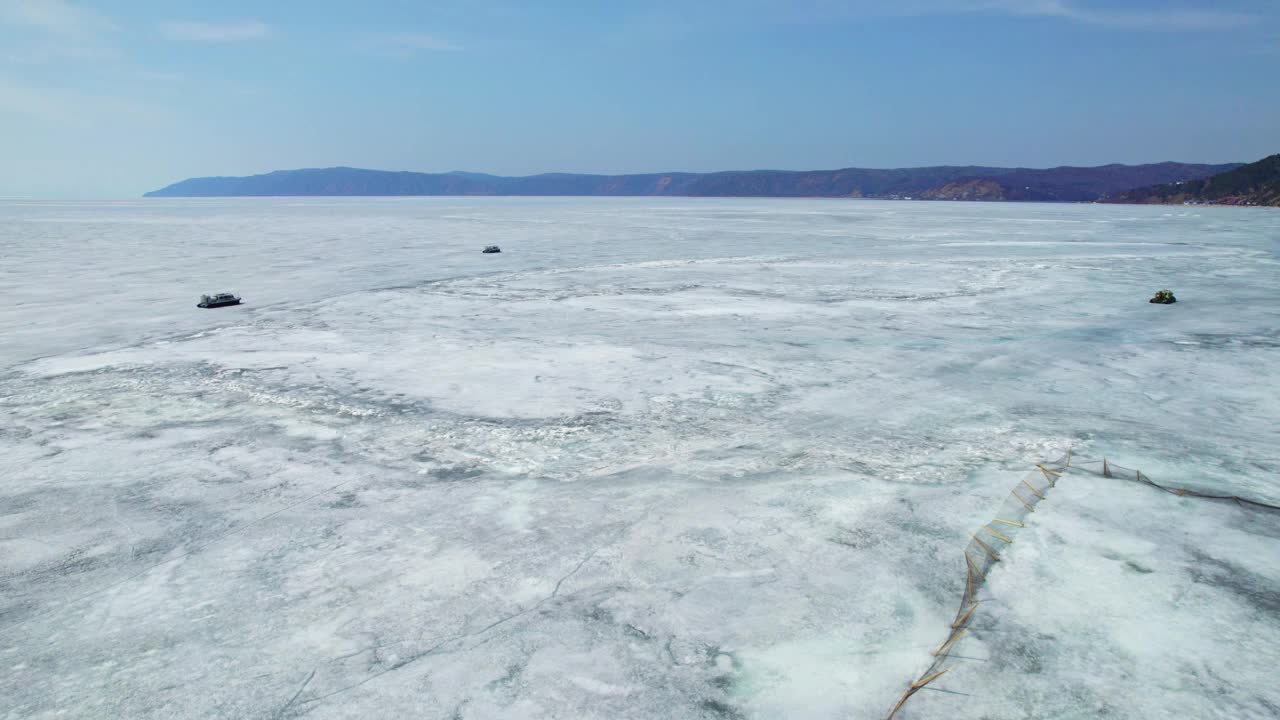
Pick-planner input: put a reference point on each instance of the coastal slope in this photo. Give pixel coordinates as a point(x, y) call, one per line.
point(1253, 184)
point(1069, 184)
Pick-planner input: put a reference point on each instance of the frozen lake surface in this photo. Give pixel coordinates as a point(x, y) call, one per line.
point(658, 459)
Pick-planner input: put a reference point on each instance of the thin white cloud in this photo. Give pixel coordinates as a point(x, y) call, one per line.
point(215, 32)
point(1109, 15)
point(55, 16)
point(46, 53)
point(53, 31)
point(76, 108)
point(1098, 13)
point(404, 45)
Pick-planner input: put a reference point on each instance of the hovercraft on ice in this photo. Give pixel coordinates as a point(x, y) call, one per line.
point(491, 249)
point(218, 300)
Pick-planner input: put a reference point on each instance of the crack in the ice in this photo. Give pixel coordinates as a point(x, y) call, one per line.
point(436, 649)
point(183, 556)
point(572, 572)
point(280, 713)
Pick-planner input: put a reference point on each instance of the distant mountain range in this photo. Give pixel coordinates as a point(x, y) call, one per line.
point(1253, 184)
point(1064, 184)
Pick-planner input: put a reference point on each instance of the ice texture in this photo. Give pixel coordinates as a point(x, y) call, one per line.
point(658, 459)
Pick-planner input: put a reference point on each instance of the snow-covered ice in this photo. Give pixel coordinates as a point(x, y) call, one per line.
point(658, 459)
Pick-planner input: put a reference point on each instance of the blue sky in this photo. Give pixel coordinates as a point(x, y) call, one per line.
point(114, 98)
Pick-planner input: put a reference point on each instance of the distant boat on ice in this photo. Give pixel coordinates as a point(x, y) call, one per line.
point(218, 300)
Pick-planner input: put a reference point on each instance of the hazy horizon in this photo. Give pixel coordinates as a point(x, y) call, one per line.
point(73, 197)
point(675, 171)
